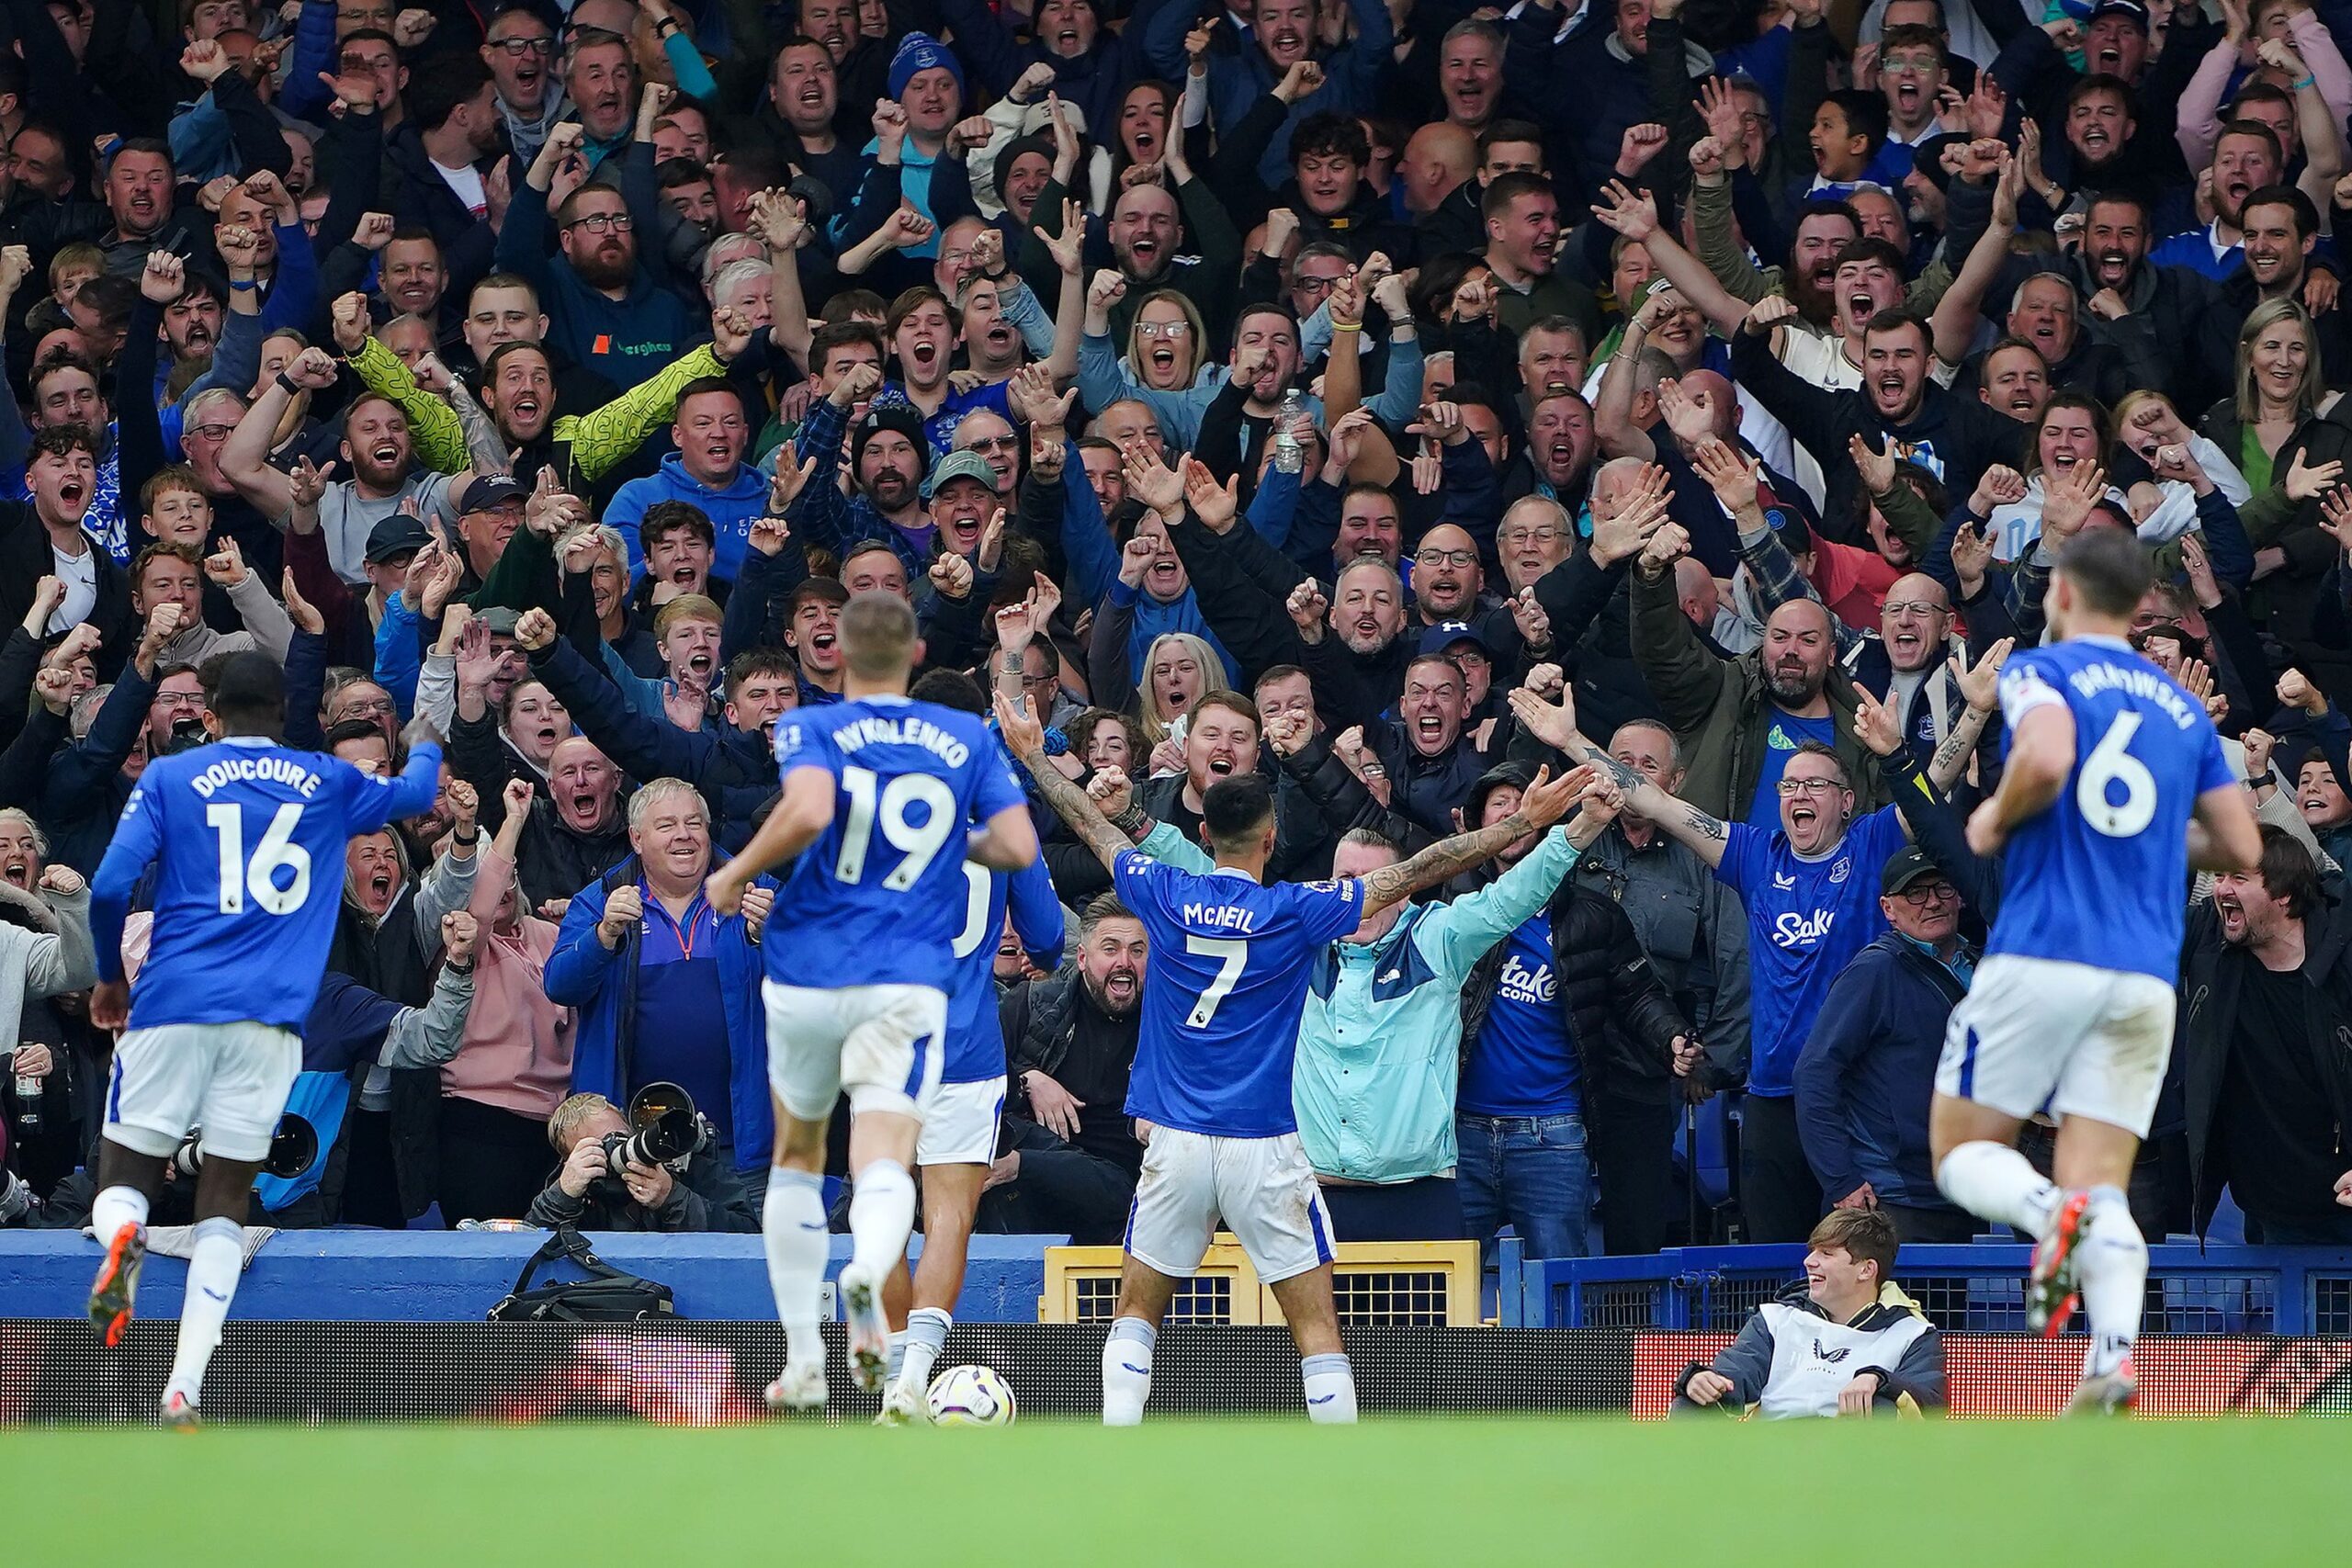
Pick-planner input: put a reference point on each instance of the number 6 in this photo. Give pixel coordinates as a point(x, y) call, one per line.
point(2111, 763)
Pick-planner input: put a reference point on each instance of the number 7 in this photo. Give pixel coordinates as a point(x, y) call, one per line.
point(1231, 953)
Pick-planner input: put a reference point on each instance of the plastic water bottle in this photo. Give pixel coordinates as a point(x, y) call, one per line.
point(28, 1105)
point(1289, 457)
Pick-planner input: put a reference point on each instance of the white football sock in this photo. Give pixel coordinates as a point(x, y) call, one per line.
point(881, 1217)
point(214, 1262)
point(793, 1227)
point(895, 1358)
point(1994, 1182)
point(1330, 1388)
point(926, 1338)
point(114, 1208)
point(2113, 1271)
point(1127, 1372)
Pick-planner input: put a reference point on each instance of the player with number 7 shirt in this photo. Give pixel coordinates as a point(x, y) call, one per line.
point(245, 837)
point(1225, 988)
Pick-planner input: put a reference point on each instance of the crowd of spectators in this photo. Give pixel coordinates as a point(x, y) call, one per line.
point(1383, 397)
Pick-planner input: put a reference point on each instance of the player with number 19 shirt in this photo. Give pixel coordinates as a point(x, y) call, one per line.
point(884, 882)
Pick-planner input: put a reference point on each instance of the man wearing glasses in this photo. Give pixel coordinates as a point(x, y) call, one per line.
point(1867, 1073)
point(520, 52)
point(1807, 888)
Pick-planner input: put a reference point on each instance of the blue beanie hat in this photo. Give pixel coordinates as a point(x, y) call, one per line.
point(921, 52)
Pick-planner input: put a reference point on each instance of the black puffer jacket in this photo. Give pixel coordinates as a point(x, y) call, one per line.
point(1620, 1015)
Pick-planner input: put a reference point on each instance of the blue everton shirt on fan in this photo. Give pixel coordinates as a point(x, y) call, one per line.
point(1806, 919)
point(681, 1021)
point(1224, 988)
point(1524, 1060)
point(885, 880)
point(1781, 742)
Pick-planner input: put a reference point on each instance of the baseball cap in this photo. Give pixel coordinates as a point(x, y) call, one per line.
point(2128, 10)
point(965, 465)
point(1905, 866)
point(1445, 634)
point(500, 619)
point(397, 534)
point(488, 490)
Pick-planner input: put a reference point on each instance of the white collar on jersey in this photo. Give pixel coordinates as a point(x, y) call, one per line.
point(247, 741)
point(1235, 870)
point(2101, 640)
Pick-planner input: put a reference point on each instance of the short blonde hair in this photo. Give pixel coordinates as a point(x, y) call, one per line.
point(568, 1116)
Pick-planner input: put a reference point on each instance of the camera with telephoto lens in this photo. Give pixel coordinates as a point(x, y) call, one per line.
point(664, 1127)
point(291, 1149)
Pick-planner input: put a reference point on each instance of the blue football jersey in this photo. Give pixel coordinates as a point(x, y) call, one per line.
point(2102, 877)
point(248, 838)
point(879, 897)
point(1223, 991)
point(975, 1032)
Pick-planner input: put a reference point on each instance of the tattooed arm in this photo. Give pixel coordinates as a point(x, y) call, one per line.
point(1556, 726)
point(1025, 739)
point(1546, 800)
point(1950, 761)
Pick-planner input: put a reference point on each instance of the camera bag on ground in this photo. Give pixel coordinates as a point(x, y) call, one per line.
point(607, 1296)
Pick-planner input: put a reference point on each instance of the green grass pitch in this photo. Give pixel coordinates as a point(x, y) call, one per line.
point(1435, 1492)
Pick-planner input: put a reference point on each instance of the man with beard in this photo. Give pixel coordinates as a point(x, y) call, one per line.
point(2267, 994)
point(2281, 230)
point(604, 311)
point(2148, 303)
point(1561, 445)
point(668, 990)
point(2098, 109)
point(887, 456)
point(519, 48)
point(444, 155)
point(1071, 1155)
point(1088, 67)
point(375, 444)
point(1803, 874)
point(1282, 34)
point(706, 471)
point(1742, 720)
point(1952, 437)
point(1523, 227)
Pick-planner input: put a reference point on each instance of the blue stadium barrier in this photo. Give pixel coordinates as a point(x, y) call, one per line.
point(455, 1275)
point(1979, 1287)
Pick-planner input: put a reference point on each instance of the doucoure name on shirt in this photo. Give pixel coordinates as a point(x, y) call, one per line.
point(876, 731)
point(269, 770)
point(1226, 916)
point(2093, 679)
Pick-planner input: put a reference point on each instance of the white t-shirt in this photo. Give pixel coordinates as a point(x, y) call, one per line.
point(80, 575)
point(466, 183)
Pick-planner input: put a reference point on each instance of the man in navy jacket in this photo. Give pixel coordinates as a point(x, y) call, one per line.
point(1867, 1070)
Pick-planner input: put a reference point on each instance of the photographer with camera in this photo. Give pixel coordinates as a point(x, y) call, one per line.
point(602, 1186)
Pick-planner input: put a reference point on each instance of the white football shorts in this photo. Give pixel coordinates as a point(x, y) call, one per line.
point(2082, 1041)
point(1263, 1188)
point(230, 1079)
point(959, 1123)
point(880, 1043)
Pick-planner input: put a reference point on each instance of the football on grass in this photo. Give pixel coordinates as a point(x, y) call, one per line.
point(970, 1396)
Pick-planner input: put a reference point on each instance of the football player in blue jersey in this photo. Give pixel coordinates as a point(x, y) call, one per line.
point(1224, 990)
point(2115, 788)
point(884, 799)
point(245, 837)
point(961, 1113)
